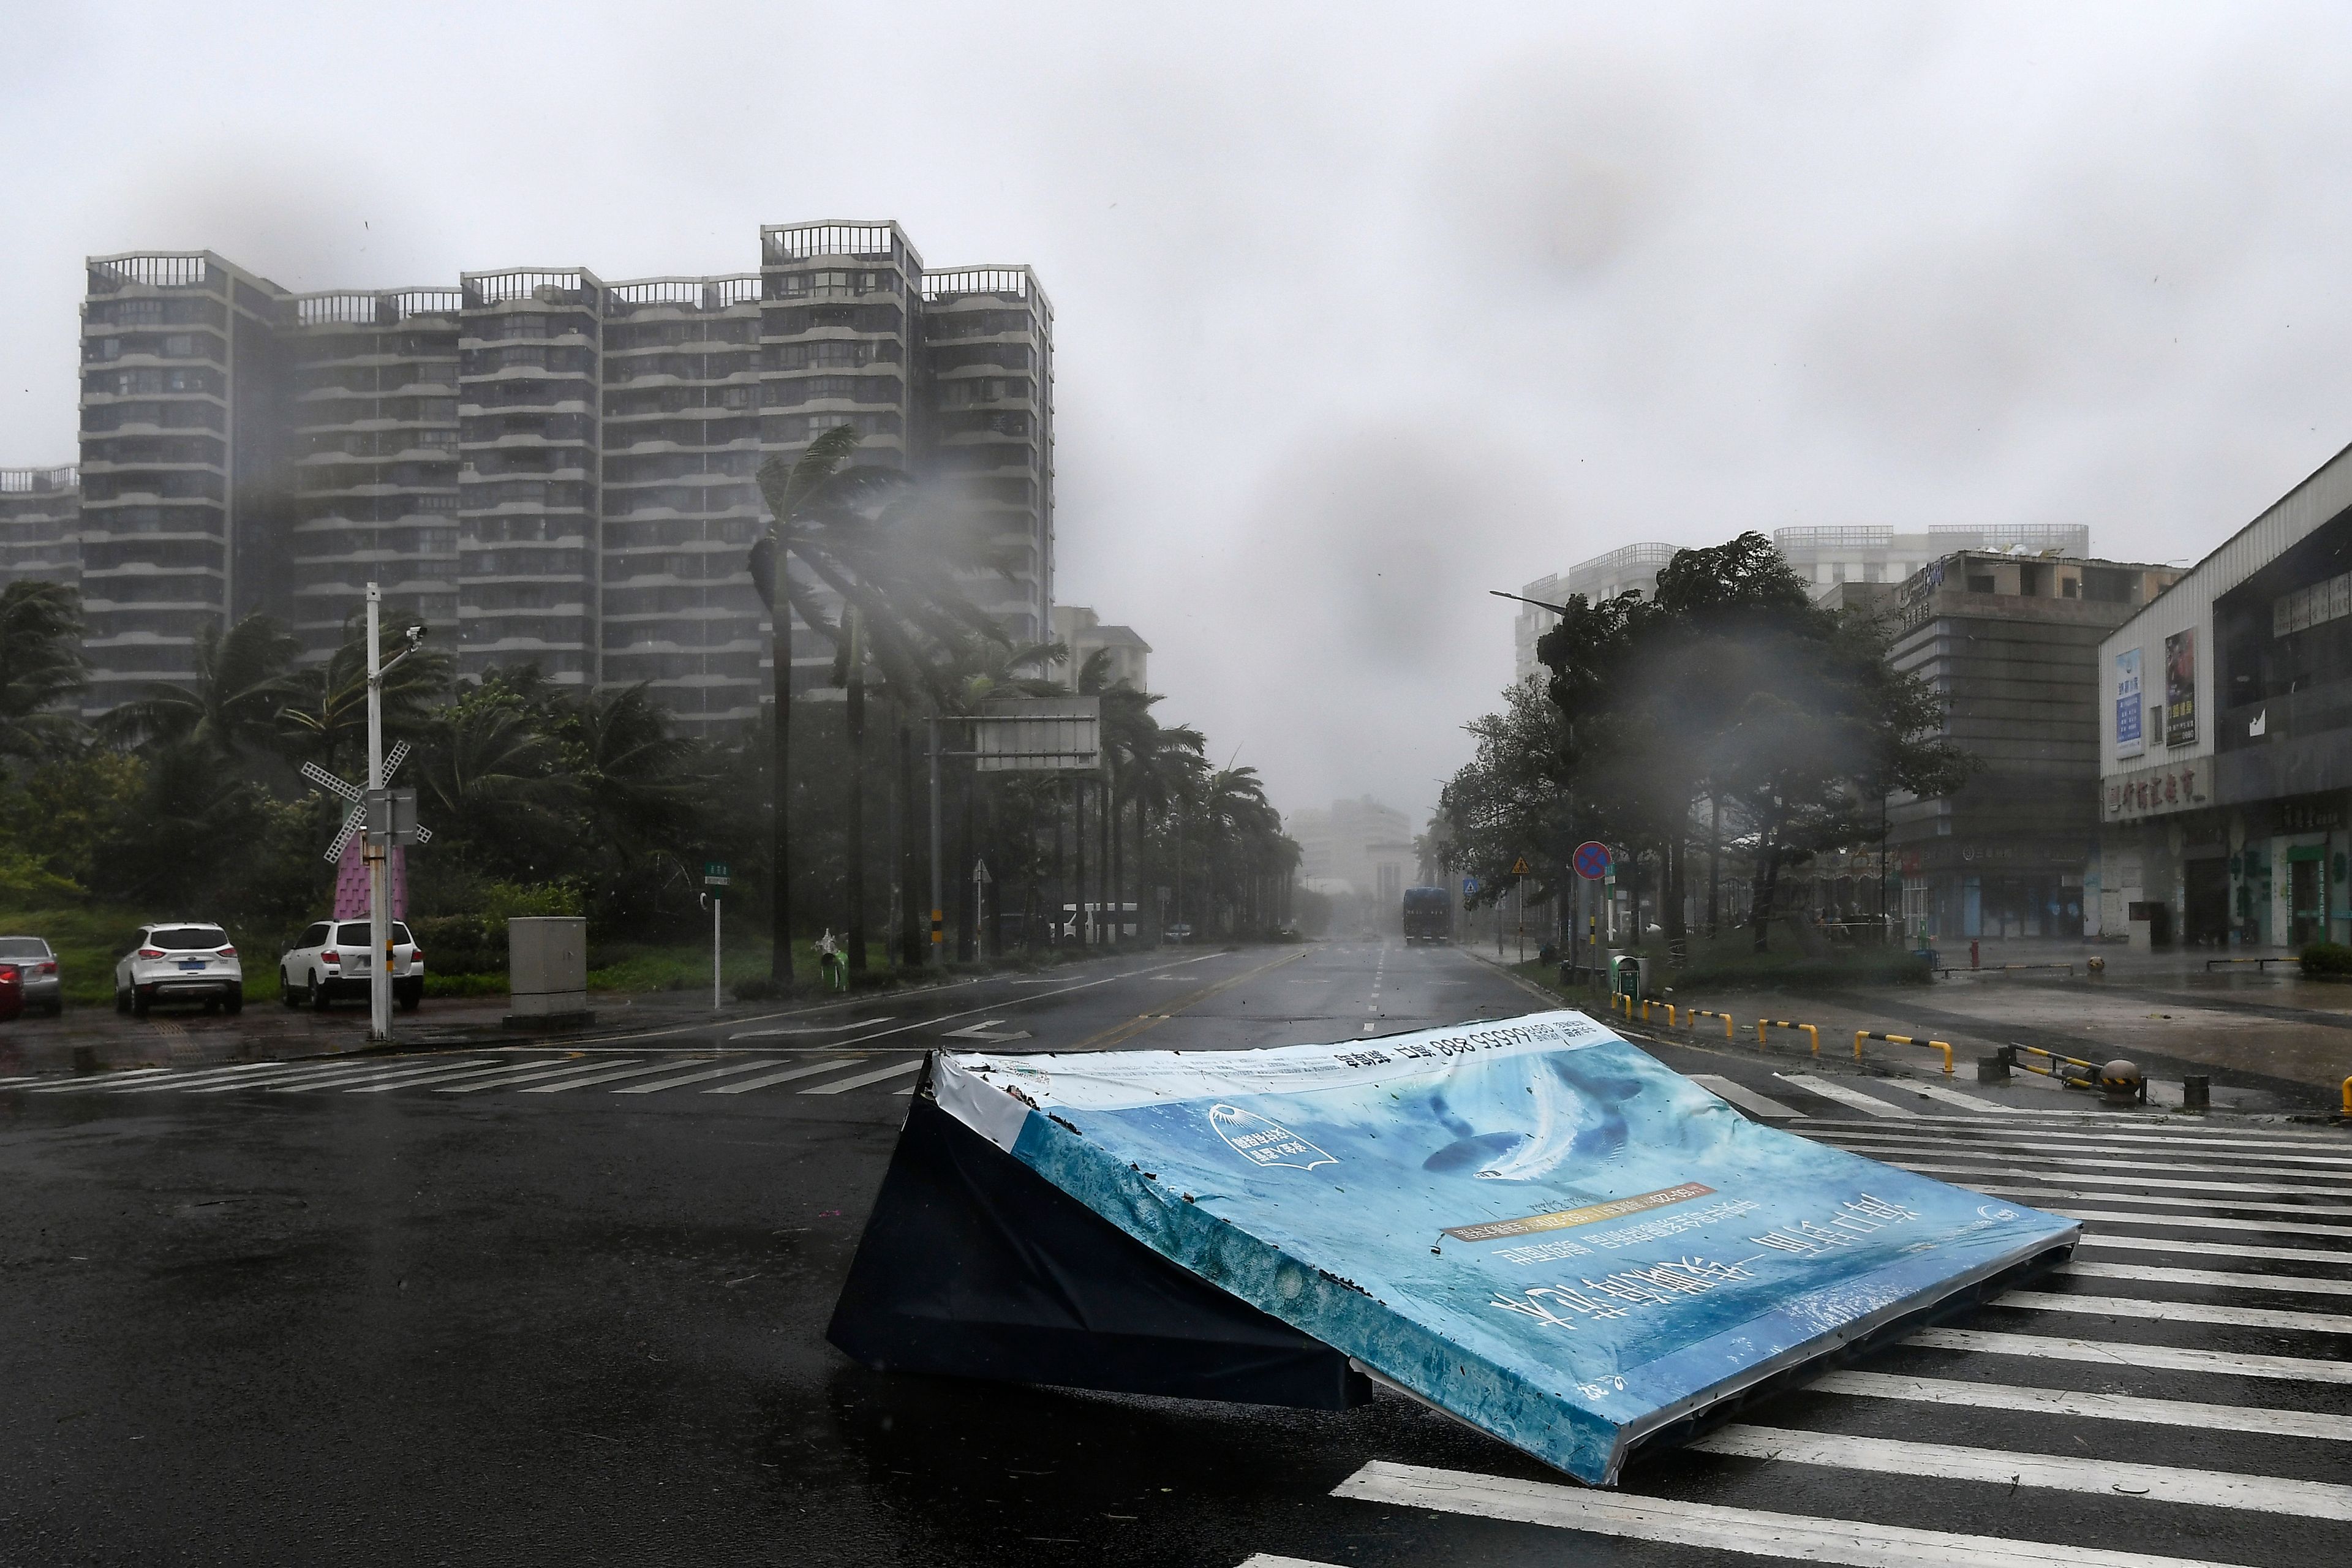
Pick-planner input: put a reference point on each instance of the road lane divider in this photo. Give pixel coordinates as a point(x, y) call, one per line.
point(1119, 1033)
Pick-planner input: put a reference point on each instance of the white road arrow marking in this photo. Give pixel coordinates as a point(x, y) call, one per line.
point(981, 1031)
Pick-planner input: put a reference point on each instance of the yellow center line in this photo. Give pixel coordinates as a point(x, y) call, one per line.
point(1142, 1021)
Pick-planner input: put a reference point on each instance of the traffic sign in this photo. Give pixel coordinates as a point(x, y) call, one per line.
point(1519, 866)
point(715, 874)
point(1593, 861)
point(1469, 887)
point(979, 873)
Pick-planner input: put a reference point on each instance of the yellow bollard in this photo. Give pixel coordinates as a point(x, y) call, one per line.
point(1761, 1023)
point(1861, 1035)
point(2348, 1097)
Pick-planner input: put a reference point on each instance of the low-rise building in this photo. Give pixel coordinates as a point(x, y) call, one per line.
point(1125, 656)
point(40, 512)
point(2012, 645)
point(2225, 747)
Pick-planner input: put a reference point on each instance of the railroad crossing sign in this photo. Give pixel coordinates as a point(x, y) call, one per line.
point(393, 827)
point(1593, 861)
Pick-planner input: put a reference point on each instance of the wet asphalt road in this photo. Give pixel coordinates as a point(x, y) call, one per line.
point(468, 1309)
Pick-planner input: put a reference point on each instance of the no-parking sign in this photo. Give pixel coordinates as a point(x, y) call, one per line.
point(1593, 860)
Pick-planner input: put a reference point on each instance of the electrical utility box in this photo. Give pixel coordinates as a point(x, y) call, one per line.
point(547, 968)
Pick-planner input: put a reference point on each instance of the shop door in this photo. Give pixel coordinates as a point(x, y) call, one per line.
point(2207, 918)
point(2302, 900)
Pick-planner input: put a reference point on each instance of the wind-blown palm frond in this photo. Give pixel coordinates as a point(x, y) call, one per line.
point(231, 705)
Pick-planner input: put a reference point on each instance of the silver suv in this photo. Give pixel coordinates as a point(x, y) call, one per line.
point(44, 988)
point(178, 961)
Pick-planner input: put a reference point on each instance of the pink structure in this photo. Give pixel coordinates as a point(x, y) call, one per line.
point(351, 882)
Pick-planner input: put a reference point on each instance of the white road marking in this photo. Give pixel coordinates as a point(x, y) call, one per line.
point(282, 1075)
point(2133, 1182)
point(2306, 1424)
point(861, 1080)
point(1265, 1560)
point(2122, 1128)
point(1967, 1103)
point(2060, 1148)
point(2057, 1472)
point(2194, 1221)
point(2071, 1166)
point(1723, 1088)
point(411, 1070)
point(2179, 1311)
point(1753, 1531)
point(456, 1072)
point(2236, 1205)
point(212, 1075)
point(2156, 1357)
point(607, 1076)
point(2292, 1284)
point(559, 1070)
point(2217, 1248)
point(102, 1080)
point(812, 1028)
point(1844, 1096)
point(784, 1076)
point(726, 1070)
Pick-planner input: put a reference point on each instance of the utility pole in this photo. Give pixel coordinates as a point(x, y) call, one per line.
point(939, 905)
point(377, 847)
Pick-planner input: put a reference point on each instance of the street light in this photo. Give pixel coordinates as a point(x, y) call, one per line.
point(376, 848)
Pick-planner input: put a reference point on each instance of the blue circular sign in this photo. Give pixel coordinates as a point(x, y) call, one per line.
point(1593, 860)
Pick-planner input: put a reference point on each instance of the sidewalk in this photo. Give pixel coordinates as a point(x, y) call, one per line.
point(2271, 1042)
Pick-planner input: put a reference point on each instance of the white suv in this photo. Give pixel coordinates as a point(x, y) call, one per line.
point(172, 961)
point(330, 959)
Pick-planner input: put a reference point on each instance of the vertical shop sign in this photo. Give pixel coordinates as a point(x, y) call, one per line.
point(2129, 739)
point(2181, 688)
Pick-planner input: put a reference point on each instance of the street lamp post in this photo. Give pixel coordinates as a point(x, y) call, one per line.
point(381, 828)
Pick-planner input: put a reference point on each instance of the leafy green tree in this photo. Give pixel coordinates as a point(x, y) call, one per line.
point(324, 717)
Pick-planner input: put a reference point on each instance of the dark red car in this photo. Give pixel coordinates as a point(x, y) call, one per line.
point(12, 991)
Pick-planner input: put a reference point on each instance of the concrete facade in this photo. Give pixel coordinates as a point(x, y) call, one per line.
point(2011, 645)
point(1361, 843)
point(40, 525)
point(1126, 656)
point(2225, 715)
point(545, 467)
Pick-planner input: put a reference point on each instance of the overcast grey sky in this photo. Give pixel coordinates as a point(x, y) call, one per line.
point(1361, 309)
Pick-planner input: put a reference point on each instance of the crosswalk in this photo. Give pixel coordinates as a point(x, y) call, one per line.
point(580, 1075)
point(2179, 1395)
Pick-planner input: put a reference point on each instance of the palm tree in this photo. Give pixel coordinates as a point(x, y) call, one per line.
point(232, 703)
point(491, 773)
point(41, 664)
point(325, 716)
point(860, 539)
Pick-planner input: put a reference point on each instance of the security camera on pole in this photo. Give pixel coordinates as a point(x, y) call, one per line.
point(391, 819)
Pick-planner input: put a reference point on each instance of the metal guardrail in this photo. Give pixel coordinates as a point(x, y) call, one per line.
point(1691, 1015)
point(2000, 968)
point(1861, 1035)
point(1763, 1023)
point(2211, 963)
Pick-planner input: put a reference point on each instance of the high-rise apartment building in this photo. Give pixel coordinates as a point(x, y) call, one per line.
point(1823, 557)
point(40, 514)
point(548, 467)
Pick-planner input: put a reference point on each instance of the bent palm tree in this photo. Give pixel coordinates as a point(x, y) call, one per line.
point(231, 704)
point(861, 540)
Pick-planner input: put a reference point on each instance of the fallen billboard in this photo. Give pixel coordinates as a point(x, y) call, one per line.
point(1530, 1223)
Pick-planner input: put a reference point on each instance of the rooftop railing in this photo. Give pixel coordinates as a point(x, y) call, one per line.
point(159, 269)
point(35, 481)
point(1838, 537)
point(373, 310)
point(798, 242)
point(2075, 538)
point(681, 294)
point(1010, 282)
point(567, 286)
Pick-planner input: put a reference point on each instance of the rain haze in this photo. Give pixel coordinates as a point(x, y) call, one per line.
point(1357, 316)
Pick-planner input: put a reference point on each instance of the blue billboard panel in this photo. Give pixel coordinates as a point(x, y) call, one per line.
point(1531, 1224)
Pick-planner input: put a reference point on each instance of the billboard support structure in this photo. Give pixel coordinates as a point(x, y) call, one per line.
point(1040, 734)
